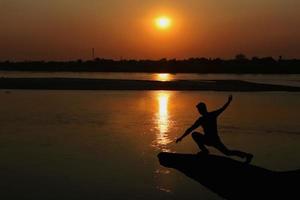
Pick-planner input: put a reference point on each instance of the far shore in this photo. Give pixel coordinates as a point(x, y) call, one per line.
point(116, 84)
point(238, 65)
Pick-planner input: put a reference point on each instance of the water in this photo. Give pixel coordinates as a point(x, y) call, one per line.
point(103, 144)
point(292, 80)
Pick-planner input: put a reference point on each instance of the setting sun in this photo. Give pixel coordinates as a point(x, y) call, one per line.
point(163, 22)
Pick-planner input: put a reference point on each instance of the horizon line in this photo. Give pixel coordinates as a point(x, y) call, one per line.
point(243, 57)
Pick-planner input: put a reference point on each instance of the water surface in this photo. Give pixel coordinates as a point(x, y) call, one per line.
point(103, 144)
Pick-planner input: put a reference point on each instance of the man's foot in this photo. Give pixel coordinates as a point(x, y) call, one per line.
point(203, 153)
point(248, 158)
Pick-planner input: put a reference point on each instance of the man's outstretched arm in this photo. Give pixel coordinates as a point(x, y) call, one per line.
point(219, 111)
point(189, 130)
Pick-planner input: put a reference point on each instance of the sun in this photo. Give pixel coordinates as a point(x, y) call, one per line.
point(163, 22)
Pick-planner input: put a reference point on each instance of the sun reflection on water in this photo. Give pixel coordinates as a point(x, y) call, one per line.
point(162, 140)
point(162, 120)
point(163, 100)
point(163, 77)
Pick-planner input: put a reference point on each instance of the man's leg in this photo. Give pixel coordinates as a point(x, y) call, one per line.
point(221, 147)
point(200, 140)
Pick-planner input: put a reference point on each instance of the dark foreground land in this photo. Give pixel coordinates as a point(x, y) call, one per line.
point(232, 179)
point(112, 84)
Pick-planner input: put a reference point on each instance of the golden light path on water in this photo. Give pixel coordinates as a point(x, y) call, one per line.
point(163, 77)
point(162, 120)
point(162, 140)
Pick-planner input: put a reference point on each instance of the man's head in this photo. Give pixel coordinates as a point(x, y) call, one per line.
point(201, 108)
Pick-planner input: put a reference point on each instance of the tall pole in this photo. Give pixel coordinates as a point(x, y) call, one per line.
point(93, 53)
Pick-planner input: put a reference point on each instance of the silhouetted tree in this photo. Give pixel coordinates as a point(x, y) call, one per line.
point(240, 57)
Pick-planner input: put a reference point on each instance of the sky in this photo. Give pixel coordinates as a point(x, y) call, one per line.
point(125, 29)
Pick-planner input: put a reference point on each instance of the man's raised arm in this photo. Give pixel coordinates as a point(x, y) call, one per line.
point(189, 130)
point(219, 111)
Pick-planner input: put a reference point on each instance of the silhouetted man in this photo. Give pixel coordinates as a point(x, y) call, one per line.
point(208, 121)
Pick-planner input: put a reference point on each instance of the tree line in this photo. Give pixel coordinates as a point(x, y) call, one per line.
point(239, 65)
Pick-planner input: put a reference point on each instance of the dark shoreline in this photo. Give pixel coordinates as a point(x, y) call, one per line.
point(239, 65)
point(116, 84)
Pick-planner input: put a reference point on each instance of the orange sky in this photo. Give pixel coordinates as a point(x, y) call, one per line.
point(69, 29)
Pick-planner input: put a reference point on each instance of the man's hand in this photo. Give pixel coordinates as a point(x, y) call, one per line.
point(230, 98)
point(178, 140)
